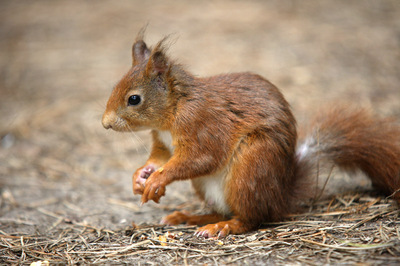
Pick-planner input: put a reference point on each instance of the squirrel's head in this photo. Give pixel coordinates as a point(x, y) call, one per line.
point(140, 100)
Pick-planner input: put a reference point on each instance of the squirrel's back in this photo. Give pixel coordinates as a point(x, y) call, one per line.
point(246, 99)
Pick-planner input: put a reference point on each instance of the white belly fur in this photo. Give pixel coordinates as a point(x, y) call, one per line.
point(212, 186)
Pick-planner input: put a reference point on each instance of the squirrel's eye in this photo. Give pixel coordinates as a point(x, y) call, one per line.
point(134, 100)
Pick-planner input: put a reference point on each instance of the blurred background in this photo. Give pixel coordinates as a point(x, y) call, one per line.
point(59, 61)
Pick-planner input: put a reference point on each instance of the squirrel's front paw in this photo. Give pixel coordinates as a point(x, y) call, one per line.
point(140, 176)
point(154, 188)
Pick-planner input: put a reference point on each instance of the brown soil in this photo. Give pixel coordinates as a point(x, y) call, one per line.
point(65, 182)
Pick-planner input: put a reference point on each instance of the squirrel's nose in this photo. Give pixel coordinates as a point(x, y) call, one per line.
point(108, 119)
point(105, 125)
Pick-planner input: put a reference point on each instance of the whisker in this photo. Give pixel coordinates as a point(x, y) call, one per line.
point(101, 104)
point(136, 137)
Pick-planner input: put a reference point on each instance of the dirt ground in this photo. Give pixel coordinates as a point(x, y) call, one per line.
point(65, 182)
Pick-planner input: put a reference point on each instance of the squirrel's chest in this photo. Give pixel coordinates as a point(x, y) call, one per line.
point(166, 138)
point(211, 187)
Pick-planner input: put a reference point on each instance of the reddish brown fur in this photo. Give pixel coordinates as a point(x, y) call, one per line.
point(242, 123)
point(356, 140)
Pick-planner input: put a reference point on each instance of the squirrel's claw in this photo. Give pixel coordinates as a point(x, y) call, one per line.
point(154, 188)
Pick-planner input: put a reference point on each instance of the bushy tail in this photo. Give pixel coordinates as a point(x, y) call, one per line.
point(355, 140)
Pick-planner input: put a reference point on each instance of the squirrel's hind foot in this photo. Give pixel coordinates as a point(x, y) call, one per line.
point(222, 229)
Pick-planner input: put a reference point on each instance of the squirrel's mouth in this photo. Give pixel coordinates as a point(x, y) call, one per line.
point(112, 121)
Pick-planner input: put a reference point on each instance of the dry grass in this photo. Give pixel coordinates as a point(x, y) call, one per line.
point(350, 228)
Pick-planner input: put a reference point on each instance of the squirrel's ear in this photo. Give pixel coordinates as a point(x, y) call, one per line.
point(158, 63)
point(140, 52)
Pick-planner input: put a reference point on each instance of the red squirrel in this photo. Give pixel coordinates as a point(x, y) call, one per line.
point(234, 136)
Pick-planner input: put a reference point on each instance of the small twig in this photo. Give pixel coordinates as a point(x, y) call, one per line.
point(125, 204)
point(366, 220)
point(185, 258)
point(145, 242)
point(317, 175)
point(241, 257)
point(51, 214)
point(360, 246)
point(16, 221)
point(326, 182)
point(394, 193)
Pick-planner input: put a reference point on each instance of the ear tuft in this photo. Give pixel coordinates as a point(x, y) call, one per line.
point(158, 61)
point(141, 33)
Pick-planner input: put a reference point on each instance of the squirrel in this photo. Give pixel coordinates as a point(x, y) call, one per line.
point(234, 136)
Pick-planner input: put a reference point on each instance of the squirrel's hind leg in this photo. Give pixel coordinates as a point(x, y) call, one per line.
point(258, 189)
point(183, 217)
